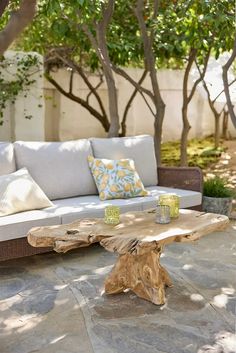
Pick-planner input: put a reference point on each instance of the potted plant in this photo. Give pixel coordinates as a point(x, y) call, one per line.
point(217, 197)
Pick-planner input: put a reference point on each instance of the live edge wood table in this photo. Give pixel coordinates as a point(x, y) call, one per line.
point(139, 242)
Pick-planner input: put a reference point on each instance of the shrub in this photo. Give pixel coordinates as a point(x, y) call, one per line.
point(216, 187)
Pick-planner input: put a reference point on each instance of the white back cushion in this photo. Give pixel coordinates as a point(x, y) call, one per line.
point(60, 168)
point(7, 160)
point(138, 148)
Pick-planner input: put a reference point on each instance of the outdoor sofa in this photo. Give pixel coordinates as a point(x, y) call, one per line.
point(61, 170)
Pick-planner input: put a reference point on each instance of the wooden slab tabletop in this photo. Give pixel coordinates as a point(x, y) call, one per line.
point(136, 233)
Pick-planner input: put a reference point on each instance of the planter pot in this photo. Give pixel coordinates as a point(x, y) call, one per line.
point(217, 205)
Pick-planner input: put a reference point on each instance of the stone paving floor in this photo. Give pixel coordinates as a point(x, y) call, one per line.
point(53, 303)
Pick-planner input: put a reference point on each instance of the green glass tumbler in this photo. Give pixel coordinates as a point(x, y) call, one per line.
point(112, 215)
point(172, 201)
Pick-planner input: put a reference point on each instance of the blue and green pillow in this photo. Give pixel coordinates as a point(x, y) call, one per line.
point(116, 179)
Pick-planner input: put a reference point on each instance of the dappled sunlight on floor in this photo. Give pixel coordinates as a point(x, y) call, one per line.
point(56, 303)
point(226, 166)
point(220, 300)
point(196, 297)
point(15, 324)
point(225, 342)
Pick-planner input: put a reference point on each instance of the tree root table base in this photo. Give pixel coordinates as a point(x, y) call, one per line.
point(142, 274)
point(139, 242)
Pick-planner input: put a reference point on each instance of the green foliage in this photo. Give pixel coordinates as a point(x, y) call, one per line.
point(182, 25)
point(58, 25)
point(12, 6)
point(201, 153)
point(15, 77)
point(217, 187)
point(179, 26)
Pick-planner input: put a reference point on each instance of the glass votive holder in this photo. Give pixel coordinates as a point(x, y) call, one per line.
point(172, 201)
point(162, 214)
point(112, 215)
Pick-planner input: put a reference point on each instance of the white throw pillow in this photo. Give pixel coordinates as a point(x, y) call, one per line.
point(19, 192)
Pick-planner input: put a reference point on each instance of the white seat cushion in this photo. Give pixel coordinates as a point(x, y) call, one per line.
point(188, 198)
point(17, 225)
point(7, 159)
point(90, 206)
point(67, 210)
point(59, 168)
point(138, 148)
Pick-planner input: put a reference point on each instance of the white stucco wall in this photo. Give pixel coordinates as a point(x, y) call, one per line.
point(55, 117)
point(75, 122)
point(15, 125)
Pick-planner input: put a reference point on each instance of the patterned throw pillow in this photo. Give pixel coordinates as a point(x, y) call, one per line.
point(116, 179)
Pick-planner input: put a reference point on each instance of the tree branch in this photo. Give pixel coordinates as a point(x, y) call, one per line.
point(202, 75)
point(223, 109)
point(138, 10)
point(211, 103)
point(100, 46)
point(128, 105)
point(154, 16)
point(95, 88)
point(107, 14)
point(71, 81)
point(140, 89)
point(124, 74)
point(79, 100)
point(3, 5)
point(226, 84)
point(191, 58)
point(231, 83)
point(70, 63)
point(18, 21)
point(148, 52)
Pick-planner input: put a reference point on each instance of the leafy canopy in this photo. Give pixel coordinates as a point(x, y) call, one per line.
point(179, 26)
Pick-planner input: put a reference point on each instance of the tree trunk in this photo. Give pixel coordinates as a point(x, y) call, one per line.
point(187, 99)
point(111, 87)
point(113, 105)
point(216, 115)
point(158, 123)
point(217, 131)
point(186, 125)
point(99, 43)
point(110, 80)
point(3, 5)
point(18, 21)
point(150, 66)
point(226, 84)
point(184, 137)
point(225, 134)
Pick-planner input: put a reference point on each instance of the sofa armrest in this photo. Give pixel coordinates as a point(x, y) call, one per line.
point(188, 178)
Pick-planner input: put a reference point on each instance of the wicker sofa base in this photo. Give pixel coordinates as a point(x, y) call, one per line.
point(10, 249)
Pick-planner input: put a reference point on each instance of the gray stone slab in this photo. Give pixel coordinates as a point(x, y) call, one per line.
point(55, 303)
